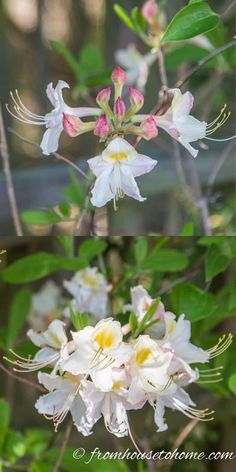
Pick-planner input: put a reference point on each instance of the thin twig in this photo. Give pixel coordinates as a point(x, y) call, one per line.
point(203, 61)
point(180, 439)
point(218, 166)
point(63, 446)
point(21, 379)
point(9, 180)
point(55, 154)
point(225, 13)
point(162, 69)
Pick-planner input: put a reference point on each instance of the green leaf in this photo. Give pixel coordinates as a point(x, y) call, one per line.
point(138, 21)
point(39, 265)
point(20, 308)
point(187, 230)
point(232, 295)
point(194, 19)
point(91, 60)
point(40, 467)
point(141, 248)
point(165, 260)
point(121, 13)
point(79, 320)
point(36, 441)
point(91, 248)
point(15, 446)
point(73, 193)
point(4, 420)
point(193, 302)
point(133, 322)
point(39, 217)
point(219, 240)
point(232, 383)
point(185, 53)
point(215, 263)
point(68, 56)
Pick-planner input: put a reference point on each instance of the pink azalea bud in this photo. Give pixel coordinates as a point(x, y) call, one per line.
point(72, 125)
point(119, 108)
point(104, 96)
point(118, 76)
point(136, 98)
point(149, 128)
point(149, 10)
point(102, 127)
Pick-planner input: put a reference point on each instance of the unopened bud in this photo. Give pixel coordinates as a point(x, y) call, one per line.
point(102, 127)
point(149, 10)
point(119, 108)
point(136, 98)
point(104, 96)
point(149, 129)
point(118, 76)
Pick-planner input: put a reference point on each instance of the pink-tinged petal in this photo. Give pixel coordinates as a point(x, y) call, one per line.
point(141, 165)
point(50, 141)
point(118, 76)
point(81, 111)
point(102, 191)
point(182, 104)
point(129, 186)
point(98, 165)
point(78, 413)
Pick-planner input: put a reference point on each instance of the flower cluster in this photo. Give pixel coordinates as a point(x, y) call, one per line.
point(106, 370)
point(119, 163)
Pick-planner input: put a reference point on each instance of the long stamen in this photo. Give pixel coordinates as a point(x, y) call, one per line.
point(23, 114)
point(193, 413)
point(24, 107)
point(218, 122)
point(29, 122)
point(218, 117)
point(29, 364)
point(223, 344)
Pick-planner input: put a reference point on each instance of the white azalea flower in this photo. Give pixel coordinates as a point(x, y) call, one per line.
point(115, 170)
point(97, 350)
point(177, 338)
point(54, 347)
point(90, 291)
point(53, 120)
point(112, 404)
point(137, 65)
point(178, 122)
point(63, 397)
point(46, 305)
point(149, 366)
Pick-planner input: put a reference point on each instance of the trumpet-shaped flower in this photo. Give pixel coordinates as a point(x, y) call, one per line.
point(112, 404)
point(149, 366)
point(90, 291)
point(177, 338)
point(115, 170)
point(53, 345)
point(97, 350)
point(53, 121)
point(178, 122)
point(63, 397)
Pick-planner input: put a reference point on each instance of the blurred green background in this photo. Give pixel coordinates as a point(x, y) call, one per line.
point(28, 62)
point(190, 280)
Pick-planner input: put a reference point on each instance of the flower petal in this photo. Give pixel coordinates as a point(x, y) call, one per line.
point(102, 190)
point(50, 141)
point(128, 184)
point(141, 165)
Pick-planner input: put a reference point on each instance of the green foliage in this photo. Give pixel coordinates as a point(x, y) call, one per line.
point(192, 20)
point(165, 260)
point(141, 248)
point(79, 320)
point(192, 301)
point(232, 383)
point(38, 265)
point(19, 310)
point(40, 217)
point(91, 248)
point(74, 193)
point(89, 70)
point(216, 262)
point(135, 21)
point(4, 421)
